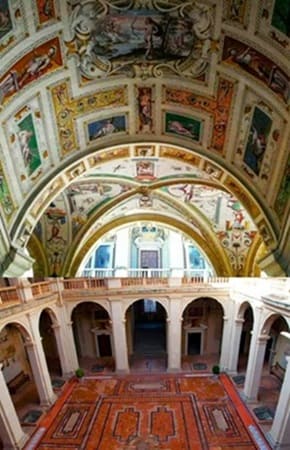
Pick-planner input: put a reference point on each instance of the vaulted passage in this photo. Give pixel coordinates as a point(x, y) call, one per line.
point(147, 336)
point(144, 114)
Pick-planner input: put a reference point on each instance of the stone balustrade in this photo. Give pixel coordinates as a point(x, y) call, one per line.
point(9, 296)
point(86, 288)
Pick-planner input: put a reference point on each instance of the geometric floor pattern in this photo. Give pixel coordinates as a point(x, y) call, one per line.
point(170, 412)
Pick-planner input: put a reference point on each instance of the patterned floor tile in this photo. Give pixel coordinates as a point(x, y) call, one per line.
point(164, 412)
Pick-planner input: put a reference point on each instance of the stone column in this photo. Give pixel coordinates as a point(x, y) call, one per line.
point(280, 431)
point(255, 366)
point(11, 432)
point(71, 347)
point(119, 337)
point(40, 373)
point(174, 336)
point(38, 364)
point(226, 341)
point(64, 351)
point(70, 361)
point(233, 356)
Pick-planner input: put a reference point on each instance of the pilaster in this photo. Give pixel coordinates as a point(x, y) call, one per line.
point(119, 337)
point(64, 350)
point(71, 353)
point(38, 364)
point(174, 324)
point(255, 366)
point(280, 431)
point(226, 340)
point(234, 347)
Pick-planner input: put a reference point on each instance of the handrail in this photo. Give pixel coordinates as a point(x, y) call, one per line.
point(107, 283)
point(271, 291)
point(144, 273)
point(9, 295)
point(41, 288)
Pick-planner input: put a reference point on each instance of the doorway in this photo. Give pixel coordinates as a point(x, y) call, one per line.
point(104, 344)
point(146, 334)
point(149, 259)
point(194, 344)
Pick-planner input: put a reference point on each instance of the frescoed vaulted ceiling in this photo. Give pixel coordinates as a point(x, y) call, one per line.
point(118, 111)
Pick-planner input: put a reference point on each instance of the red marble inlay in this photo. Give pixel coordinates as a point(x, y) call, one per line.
point(162, 424)
point(126, 425)
point(128, 413)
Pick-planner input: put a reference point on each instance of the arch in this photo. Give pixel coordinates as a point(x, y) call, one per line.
point(243, 333)
point(242, 309)
point(104, 304)
point(146, 321)
point(53, 184)
point(115, 238)
point(21, 327)
point(202, 329)
point(34, 208)
point(93, 335)
point(19, 371)
point(50, 344)
point(161, 301)
point(218, 258)
point(269, 321)
point(188, 301)
point(52, 314)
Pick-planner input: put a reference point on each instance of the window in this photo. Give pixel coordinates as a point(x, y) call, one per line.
point(149, 306)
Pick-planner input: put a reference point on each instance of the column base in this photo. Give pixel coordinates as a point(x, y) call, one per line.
point(248, 399)
point(173, 370)
point(276, 445)
point(68, 375)
point(47, 404)
point(122, 371)
point(231, 373)
point(17, 445)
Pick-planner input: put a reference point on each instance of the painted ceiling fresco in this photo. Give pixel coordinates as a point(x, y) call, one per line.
point(111, 111)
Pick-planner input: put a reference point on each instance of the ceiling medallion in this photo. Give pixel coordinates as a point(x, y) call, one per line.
point(141, 38)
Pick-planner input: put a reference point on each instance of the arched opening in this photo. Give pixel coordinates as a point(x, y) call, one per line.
point(202, 332)
point(18, 374)
point(49, 343)
point(277, 348)
point(245, 340)
point(277, 345)
point(146, 335)
point(146, 248)
point(93, 337)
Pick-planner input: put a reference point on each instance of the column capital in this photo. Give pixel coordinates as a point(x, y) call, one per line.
point(263, 338)
point(239, 321)
point(30, 343)
point(114, 299)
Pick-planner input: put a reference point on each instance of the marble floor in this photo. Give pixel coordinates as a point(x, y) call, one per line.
point(26, 398)
point(147, 411)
